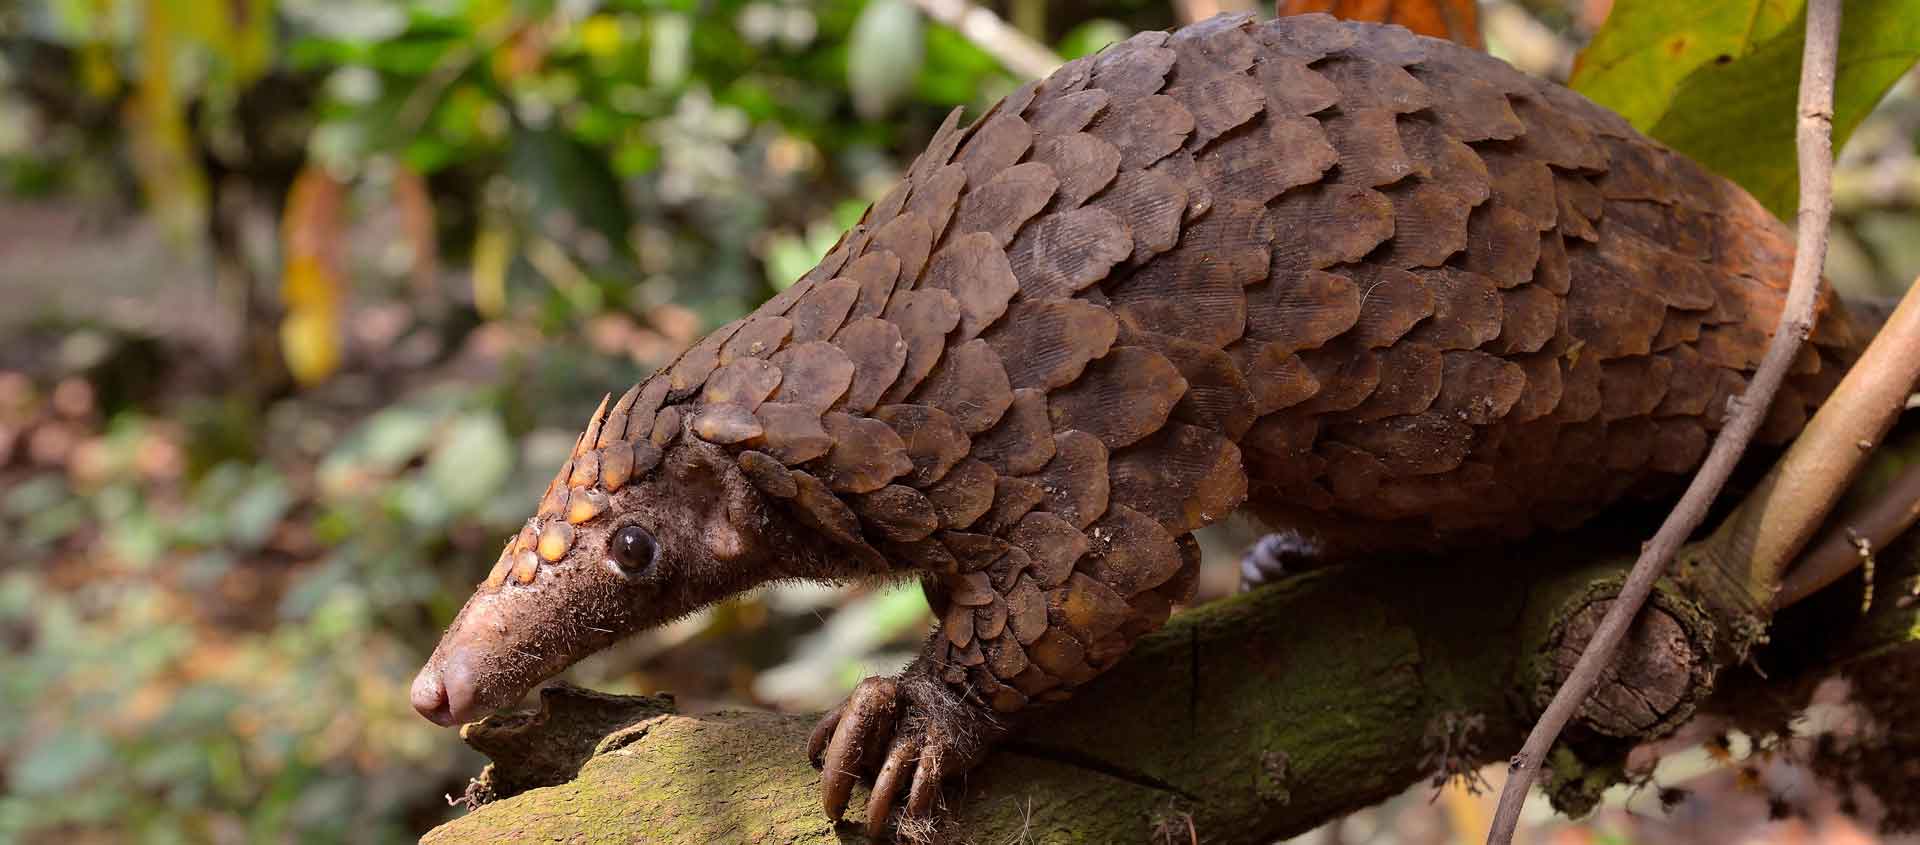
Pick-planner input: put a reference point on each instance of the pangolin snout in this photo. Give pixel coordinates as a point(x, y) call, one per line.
point(443, 692)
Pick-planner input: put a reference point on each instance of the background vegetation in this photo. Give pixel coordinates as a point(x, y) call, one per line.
point(301, 301)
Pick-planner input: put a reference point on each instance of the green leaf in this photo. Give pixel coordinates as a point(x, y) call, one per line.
point(472, 461)
point(1719, 81)
point(886, 50)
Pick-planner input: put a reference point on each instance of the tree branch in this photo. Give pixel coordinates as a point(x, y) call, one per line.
point(1815, 146)
point(1826, 457)
point(1025, 57)
point(1253, 719)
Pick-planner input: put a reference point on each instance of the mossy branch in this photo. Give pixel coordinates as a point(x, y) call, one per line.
point(1252, 718)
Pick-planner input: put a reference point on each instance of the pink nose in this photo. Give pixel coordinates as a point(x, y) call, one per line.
point(444, 697)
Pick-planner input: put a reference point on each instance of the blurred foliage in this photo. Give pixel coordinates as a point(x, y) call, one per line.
point(1719, 80)
point(457, 221)
point(434, 232)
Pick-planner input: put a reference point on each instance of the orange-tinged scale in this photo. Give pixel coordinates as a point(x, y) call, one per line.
point(1059, 654)
point(585, 503)
point(1089, 608)
point(501, 566)
point(556, 538)
point(1133, 553)
point(586, 470)
point(726, 424)
point(529, 536)
point(614, 427)
point(666, 427)
point(526, 565)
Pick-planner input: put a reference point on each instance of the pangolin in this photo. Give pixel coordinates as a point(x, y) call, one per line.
point(1374, 288)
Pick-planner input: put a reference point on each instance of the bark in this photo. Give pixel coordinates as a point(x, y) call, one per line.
point(1250, 719)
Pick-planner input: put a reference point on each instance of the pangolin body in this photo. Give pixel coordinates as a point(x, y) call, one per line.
point(1362, 283)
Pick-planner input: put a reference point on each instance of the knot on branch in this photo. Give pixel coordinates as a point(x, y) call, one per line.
point(547, 747)
point(1663, 669)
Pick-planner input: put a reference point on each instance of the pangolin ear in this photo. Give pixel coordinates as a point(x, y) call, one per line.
point(727, 503)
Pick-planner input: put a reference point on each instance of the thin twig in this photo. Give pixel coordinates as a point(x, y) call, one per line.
point(1815, 146)
point(1788, 507)
point(1027, 58)
point(1875, 525)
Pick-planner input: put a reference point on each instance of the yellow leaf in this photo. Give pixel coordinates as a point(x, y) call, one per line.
point(492, 252)
point(310, 340)
point(163, 156)
point(313, 284)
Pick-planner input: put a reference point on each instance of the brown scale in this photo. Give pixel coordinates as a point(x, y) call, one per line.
point(1368, 286)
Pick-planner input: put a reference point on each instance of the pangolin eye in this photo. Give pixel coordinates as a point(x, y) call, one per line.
point(632, 549)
